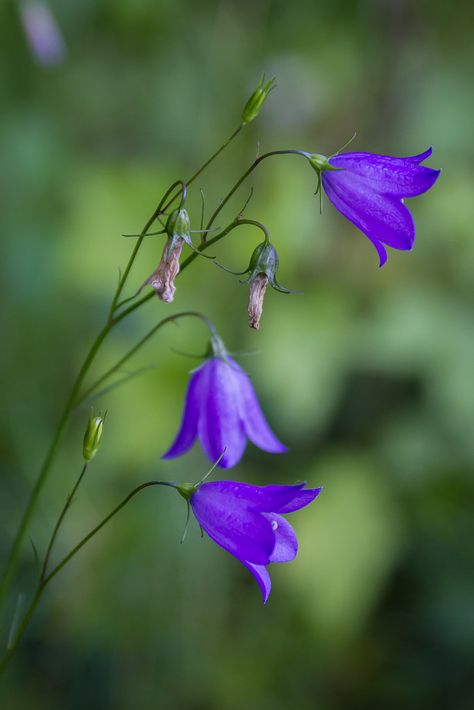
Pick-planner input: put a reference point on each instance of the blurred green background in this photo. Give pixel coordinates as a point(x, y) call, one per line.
point(367, 376)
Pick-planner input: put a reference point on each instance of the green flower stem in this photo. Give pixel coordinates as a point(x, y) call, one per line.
point(111, 322)
point(137, 246)
point(45, 580)
point(206, 164)
point(42, 476)
point(239, 182)
point(137, 347)
point(59, 522)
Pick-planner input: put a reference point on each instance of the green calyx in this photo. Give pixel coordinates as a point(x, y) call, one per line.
point(256, 100)
point(186, 490)
point(216, 347)
point(178, 225)
point(319, 163)
point(264, 260)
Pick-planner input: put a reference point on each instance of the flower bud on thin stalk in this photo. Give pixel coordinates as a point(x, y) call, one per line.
point(256, 101)
point(93, 437)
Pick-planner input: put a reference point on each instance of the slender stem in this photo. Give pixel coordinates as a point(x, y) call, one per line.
point(137, 347)
point(98, 527)
point(44, 581)
point(62, 515)
point(206, 164)
point(15, 549)
point(138, 244)
point(12, 645)
point(43, 474)
point(239, 182)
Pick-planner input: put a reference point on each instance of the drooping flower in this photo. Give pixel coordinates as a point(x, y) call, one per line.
point(369, 190)
point(162, 279)
point(222, 410)
point(262, 270)
point(247, 521)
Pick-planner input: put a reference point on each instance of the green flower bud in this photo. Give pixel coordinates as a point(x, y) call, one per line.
point(255, 102)
point(92, 437)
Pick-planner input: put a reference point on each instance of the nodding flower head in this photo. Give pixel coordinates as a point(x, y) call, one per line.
point(262, 271)
point(163, 278)
point(247, 521)
point(369, 190)
point(222, 410)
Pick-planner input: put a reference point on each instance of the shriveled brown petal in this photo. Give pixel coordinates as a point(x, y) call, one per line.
point(162, 279)
point(258, 286)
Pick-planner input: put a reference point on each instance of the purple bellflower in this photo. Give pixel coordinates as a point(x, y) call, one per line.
point(247, 521)
point(369, 190)
point(222, 409)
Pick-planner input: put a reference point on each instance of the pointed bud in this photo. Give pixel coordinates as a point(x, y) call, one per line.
point(162, 279)
point(92, 437)
point(255, 102)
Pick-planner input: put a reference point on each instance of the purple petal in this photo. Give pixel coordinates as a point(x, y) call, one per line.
point(268, 499)
point(399, 177)
point(219, 424)
point(252, 417)
point(262, 576)
point(286, 545)
point(302, 499)
point(381, 218)
point(189, 423)
point(245, 534)
point(421, 156)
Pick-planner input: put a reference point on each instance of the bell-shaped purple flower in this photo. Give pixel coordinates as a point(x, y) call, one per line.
point(247, 521)
point(222, 409)
point(369, 190)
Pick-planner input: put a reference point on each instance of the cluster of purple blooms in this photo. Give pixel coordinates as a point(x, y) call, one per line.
point(221, 408)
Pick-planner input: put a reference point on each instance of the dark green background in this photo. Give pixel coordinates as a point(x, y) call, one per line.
point(367, 376)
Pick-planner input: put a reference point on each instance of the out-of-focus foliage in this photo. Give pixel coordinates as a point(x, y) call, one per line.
point(367, 376)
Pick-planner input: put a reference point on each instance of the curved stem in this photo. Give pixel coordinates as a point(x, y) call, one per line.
point(137, 347)
point(44, 581)
point(138, 244)
point(254, 223)
point(239, 182)
point(62, 515)
point(98, 527)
